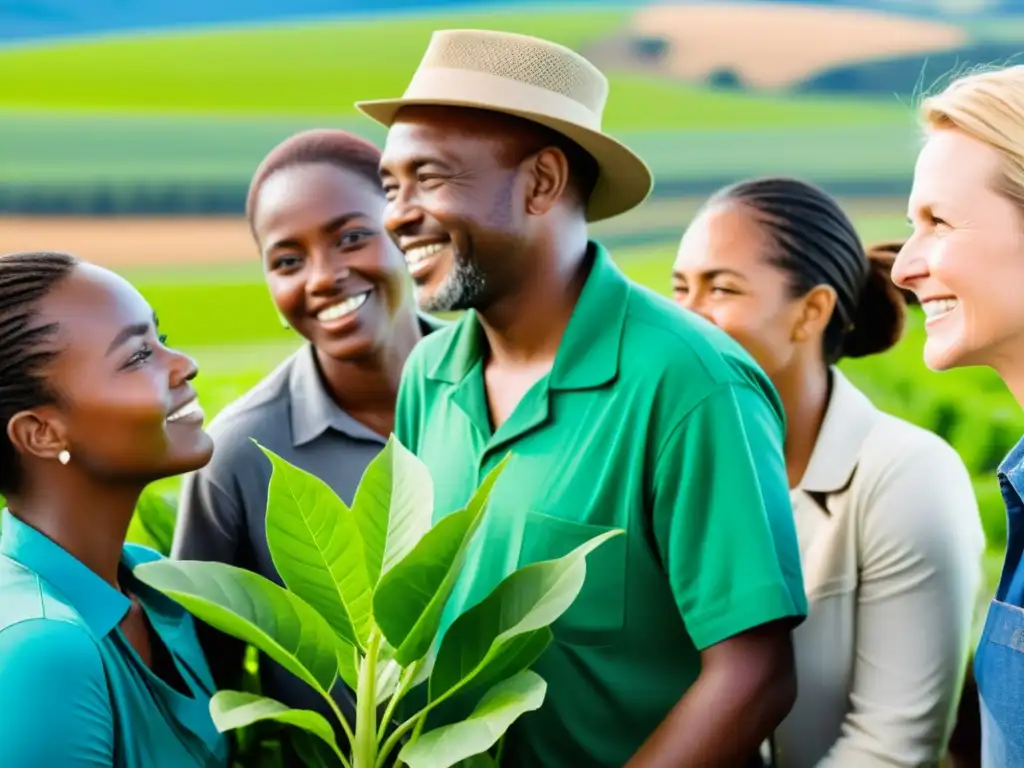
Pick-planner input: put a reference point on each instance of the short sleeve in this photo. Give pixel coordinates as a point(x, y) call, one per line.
point(54, 697)
point(723, 520)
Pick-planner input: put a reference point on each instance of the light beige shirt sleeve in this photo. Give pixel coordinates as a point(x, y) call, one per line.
point(921, 544)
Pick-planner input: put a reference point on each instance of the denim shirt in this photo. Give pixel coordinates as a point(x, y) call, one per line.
point(999, 661)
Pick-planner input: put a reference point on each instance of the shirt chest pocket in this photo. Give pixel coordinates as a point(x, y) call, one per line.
point(597, 616)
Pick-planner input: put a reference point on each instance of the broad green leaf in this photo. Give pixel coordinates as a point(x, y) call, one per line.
point(348, 664)
point(388, 673)
point(426, 667)
point(249, 607)
point(237, 709)
point(157, 516)
point(526, 601)
point(405, 601)
point(394, 504)
point(317, 548)
point(410, 599)
point(498, 709)
point(511, 657)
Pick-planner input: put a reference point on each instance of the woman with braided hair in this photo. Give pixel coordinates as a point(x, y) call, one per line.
point(96, 669)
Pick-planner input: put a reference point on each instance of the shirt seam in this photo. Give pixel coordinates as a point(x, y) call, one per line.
point(56, 619)
point(685, 418)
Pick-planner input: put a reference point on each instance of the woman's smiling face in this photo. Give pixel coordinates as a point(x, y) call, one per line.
point(965, 258)
point(332, 272)
point(125, 408)
point(722, 273)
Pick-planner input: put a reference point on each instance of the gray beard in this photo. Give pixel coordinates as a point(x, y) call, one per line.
point(462, 289)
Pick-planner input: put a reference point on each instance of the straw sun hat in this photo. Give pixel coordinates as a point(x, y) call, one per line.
point(533, 79)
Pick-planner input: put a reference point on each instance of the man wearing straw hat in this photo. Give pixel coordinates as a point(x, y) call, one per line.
point(621, 410)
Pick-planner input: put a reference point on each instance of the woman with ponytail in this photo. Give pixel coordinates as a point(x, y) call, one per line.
point(890, 536)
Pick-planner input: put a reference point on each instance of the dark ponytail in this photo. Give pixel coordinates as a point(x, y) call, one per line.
point(815, 243)
point(881, 311)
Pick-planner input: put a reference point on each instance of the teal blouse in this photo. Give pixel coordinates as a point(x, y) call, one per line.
point(73, 692)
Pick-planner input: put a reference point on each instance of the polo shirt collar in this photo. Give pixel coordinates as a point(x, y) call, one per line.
point(101, 606)
point(312, 409)
point(588, 355)
point(848, 420)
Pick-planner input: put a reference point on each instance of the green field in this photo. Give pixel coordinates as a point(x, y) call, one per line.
point(322, 69)
point(69, 149)
point(119, 118)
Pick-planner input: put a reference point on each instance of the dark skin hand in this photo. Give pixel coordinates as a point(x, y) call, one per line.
point(746, 687)
point(120, 383)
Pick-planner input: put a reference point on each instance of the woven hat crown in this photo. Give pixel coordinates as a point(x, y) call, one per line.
point(533, 79)
point(528, 60)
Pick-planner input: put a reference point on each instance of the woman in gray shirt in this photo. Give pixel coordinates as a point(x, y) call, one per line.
point(315, 207)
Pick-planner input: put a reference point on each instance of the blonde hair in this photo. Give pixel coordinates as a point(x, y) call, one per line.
point(987, 106)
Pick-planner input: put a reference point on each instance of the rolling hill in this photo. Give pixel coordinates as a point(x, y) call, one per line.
point(321, 69)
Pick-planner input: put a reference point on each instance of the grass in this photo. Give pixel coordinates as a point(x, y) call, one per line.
point(323, 69)
point(82, 149)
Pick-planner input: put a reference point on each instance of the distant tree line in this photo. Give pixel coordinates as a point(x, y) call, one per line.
point(909, 75)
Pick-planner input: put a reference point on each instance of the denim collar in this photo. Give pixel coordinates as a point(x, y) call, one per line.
point(1012, 468)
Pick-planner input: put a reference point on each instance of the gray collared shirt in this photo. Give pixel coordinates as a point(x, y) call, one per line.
point(222, 511)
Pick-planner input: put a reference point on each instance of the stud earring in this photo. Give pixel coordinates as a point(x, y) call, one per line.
point(64, 457)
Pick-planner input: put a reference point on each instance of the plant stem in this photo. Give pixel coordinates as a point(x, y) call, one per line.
point(404, 683)
point(416, 721)
point(344, 761)
point(364, 748)
point(419, 727)
point(340, 715)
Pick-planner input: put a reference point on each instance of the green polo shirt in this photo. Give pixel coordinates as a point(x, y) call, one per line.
point(653, 421)
point(73, 691)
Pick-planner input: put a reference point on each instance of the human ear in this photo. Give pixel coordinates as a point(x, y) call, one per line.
point(549, 177)
point(816, 308)
point(37, 433)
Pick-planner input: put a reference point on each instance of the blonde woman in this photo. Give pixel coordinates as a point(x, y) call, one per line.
point(889, 532)
point(965, 263)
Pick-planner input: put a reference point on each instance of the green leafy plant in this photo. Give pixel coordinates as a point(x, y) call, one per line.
point(366, 589)
point(153, 523)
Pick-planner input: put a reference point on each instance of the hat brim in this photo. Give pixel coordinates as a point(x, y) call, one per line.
point(624, 179)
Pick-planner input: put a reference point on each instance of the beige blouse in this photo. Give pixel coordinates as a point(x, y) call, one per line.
point(892, 571)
